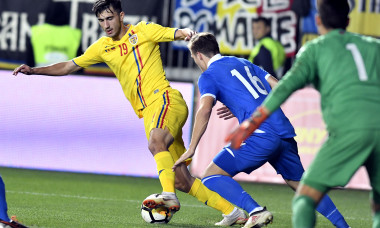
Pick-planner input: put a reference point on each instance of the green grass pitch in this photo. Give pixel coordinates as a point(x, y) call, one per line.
point(59, 199)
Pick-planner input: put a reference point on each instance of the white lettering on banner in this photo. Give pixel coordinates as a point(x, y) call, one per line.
point(372, 7)
point(15, 29)
point(90, 34)
point(232, 23)
point(273, 5)
point(9, 32)
point(288, 26)
point(207, 3)
point(25, 30)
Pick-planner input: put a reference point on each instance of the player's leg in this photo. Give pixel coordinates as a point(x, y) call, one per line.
point(157, 119)
point(334, 165)
point(220, 181)
point(373, 169)
point(174, 120)
point(185, 182)
point(3, 202)
point(304, 205)
point(4, 219)
point(218, 176)
point(158, 145)
point(194, 187)
point(287, 163)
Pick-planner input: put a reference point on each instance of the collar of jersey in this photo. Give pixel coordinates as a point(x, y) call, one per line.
point(214, 58)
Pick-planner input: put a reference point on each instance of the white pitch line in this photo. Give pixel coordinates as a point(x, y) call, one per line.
point(137, 201)
point(86, 197)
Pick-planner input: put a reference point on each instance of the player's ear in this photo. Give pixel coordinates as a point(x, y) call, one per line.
point(199, 56)
point(318, 20)
point(121, 15)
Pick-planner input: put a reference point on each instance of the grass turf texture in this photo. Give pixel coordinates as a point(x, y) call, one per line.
point(58, 199)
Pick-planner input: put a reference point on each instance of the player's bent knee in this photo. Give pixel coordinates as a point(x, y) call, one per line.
point(156, 147)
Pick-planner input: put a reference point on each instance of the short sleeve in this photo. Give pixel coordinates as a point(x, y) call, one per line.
point(90, 57)
point(207, 86)
point(158, 33)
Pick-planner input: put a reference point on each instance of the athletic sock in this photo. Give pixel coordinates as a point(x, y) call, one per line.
point(210, 198)
point(3, 202)
point(328, 209)
point(303, 212)
point(231, 190)
point(165, 162)
point(376, 220)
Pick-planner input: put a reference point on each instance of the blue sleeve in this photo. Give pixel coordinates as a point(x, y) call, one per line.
point(207, 86)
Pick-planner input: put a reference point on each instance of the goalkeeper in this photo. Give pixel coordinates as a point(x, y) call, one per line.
point(345, 68)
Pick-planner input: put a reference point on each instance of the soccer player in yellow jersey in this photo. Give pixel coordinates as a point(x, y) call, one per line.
point(132, 52)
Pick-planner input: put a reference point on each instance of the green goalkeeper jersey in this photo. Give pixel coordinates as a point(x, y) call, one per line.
point(345, 69)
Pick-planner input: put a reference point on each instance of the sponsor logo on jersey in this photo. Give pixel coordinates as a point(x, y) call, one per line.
point(108, 49)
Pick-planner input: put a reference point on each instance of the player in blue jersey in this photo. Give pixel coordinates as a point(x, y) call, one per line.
point(4, 219)
point(242, 86)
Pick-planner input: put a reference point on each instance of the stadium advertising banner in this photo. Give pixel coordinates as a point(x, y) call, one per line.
point(231, 22)
point(17, 17)
point(364, 19)
point(303, 111)
point(76, 124)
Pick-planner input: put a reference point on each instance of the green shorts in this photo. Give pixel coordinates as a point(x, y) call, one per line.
point(341, 156)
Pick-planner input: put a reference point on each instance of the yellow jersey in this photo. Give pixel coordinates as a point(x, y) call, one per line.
point(136, 61)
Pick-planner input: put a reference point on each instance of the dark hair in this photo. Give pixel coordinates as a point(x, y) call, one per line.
point(334, 13)
point(265, 20)
point(204, 43)
point(101, 5)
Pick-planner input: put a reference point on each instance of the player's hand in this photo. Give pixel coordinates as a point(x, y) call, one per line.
point(225, 113)
point(25, 69)
point(186, 155)
point(188, 33)
point(246, 128)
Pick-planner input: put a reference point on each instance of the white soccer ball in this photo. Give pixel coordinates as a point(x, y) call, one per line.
point(155, 215)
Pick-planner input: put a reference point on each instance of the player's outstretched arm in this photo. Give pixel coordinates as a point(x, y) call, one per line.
point(184, 34)
point(248, 126)
point(58, 69)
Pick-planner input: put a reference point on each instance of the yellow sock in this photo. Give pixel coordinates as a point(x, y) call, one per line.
point(165, 162)
point(210, 198)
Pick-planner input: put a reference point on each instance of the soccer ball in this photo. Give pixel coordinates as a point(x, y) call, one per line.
point(155, 215)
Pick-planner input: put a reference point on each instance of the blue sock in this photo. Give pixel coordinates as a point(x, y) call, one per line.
point(3, 202)
point(328, 209)
point(231, 190)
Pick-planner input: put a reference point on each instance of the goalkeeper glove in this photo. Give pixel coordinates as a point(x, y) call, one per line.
point(246, 128)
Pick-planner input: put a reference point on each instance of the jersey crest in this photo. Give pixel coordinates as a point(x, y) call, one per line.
point(133, 39)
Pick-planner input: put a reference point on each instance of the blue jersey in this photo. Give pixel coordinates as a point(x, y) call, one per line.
point(242, 87)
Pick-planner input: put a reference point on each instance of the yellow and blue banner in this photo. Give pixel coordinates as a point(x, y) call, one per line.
point(231, 22)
